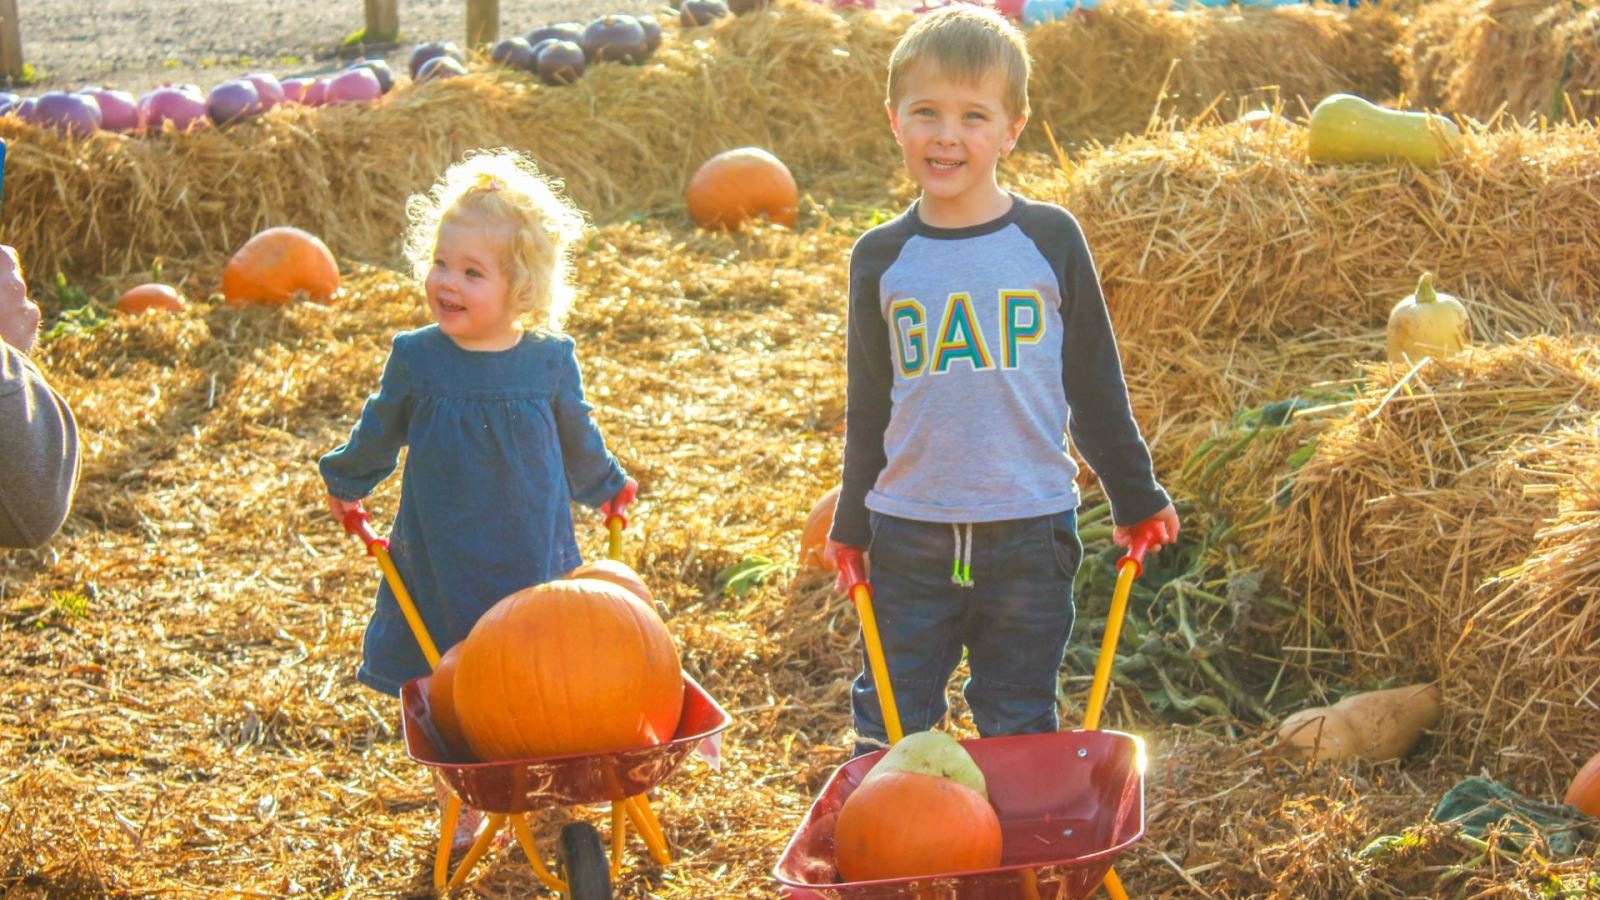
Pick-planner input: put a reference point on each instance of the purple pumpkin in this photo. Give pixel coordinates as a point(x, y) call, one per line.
point(440, 67)
point(9, 102)
point(701, 12)
point(168, 104)
point(561, 31)
point(380, 69)
point(421, 53)
point(561, 62)
point(71, 114)
point(268, 88)
point(117, 109)
point(357, 85)
point(652, 33)
point(233, 101)
point(618, 37)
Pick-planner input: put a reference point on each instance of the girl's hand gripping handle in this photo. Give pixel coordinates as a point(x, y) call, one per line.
point(358, 521)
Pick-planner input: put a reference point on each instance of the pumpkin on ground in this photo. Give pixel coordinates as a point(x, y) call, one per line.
point(442, 702)
point(1376, 725)
point(814, 534)
point(280, 265)
point(150, 296)
point(1584, 792)
point(1427, 323)
point(907, 824)
point(571, 666)
point(736, 185)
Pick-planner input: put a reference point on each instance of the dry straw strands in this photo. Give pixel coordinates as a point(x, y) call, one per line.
point(1112, 71)
point(1435, 481)
point(1224, 231)
point(800, 80)
point(1526, 58)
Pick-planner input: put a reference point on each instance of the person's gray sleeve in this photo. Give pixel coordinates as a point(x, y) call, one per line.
point(355, 467)
point(593, 473)
point(38, 454)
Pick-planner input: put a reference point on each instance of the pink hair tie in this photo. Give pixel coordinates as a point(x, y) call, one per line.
point(487, 182)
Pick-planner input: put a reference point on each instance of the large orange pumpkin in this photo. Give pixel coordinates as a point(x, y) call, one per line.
point(280, 265)
point(570, 666)
point(737, 184)
point(619, 574)
point(442, 700)
point(906, 824)
point(150, 296)
point(1584, 792)
point(814, 535)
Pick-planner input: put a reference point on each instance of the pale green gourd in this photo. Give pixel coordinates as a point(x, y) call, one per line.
point(1347, 129)
point(1427, 323)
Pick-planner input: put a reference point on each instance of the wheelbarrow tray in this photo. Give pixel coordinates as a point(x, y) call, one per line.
point(521, 785)
point(1069, 802)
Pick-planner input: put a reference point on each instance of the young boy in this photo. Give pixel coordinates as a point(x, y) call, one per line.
point(978, 336)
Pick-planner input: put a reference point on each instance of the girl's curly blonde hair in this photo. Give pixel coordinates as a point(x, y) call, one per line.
point(494, 187)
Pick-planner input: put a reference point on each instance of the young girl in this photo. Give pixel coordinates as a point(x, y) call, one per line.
point(499, 433)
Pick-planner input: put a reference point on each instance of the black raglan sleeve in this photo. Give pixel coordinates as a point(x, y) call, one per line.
point(870, 379)
point(1100, 418)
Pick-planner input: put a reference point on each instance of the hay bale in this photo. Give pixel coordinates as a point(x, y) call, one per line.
point(1527, 58)
point(1432, 484)
point(799, 79)
point(1537, 641)
point(1225, 232)
point(1112, 72)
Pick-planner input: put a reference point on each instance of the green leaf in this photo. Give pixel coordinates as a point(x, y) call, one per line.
point(743, 576)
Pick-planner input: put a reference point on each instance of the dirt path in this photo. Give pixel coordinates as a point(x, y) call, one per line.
point(134, 44)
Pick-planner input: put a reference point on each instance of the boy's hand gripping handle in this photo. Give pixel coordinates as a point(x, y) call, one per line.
point(1146, 535)
point(359, 523)
point(852, 567)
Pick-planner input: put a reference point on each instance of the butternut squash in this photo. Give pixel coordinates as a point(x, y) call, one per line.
point(1347, 129)
point(1374, 726)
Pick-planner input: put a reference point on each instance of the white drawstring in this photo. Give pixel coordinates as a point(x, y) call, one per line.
point(961, 565)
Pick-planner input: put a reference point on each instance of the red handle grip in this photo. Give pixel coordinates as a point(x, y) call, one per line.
point(358, 521)
point(1146, 535)
point(852, 565)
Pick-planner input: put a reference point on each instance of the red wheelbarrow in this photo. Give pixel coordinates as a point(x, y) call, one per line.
point(1068, 802)
point(508, 790)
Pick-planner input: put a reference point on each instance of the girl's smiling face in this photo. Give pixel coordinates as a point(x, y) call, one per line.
point(952, 133)
point(468, 287)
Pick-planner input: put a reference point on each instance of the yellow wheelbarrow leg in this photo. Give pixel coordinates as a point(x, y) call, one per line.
point(530, 849)
point(447, 836)
point(479, 848)
point(644, 819)
point(619, 837)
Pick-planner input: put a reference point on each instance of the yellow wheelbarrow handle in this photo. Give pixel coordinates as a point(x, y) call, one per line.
point(359, 523)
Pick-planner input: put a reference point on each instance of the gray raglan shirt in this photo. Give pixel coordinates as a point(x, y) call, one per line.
point(38, 453)
point(972, 353)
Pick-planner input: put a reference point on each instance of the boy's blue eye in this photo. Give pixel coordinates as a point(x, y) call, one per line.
point(474, 273)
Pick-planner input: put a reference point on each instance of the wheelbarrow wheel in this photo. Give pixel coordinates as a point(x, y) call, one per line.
point(583, 863)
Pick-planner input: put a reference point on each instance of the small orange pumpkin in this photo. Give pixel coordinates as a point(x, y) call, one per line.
point(278, 266)
point(1584, 792)
point(442, 700)
point(735, 185)
point(150, 296)
point(617, 573)
point(907, 824)
point(570, 666)
point(814, 535)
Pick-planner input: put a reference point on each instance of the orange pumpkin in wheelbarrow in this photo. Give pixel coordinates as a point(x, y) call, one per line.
point(571, 666)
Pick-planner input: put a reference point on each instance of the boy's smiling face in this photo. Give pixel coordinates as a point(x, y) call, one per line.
point(952, 132)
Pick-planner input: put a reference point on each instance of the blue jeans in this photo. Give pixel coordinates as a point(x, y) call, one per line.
point(1013, 621)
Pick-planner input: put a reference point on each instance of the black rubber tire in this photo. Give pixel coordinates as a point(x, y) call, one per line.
point(583, 863)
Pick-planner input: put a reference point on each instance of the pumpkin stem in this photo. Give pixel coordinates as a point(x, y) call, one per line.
point(1425, 292)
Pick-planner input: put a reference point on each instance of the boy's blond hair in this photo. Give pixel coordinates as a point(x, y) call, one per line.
point(505, 187)
point(964, 42)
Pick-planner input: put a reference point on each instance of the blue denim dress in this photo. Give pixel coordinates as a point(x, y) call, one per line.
point(500, 444)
